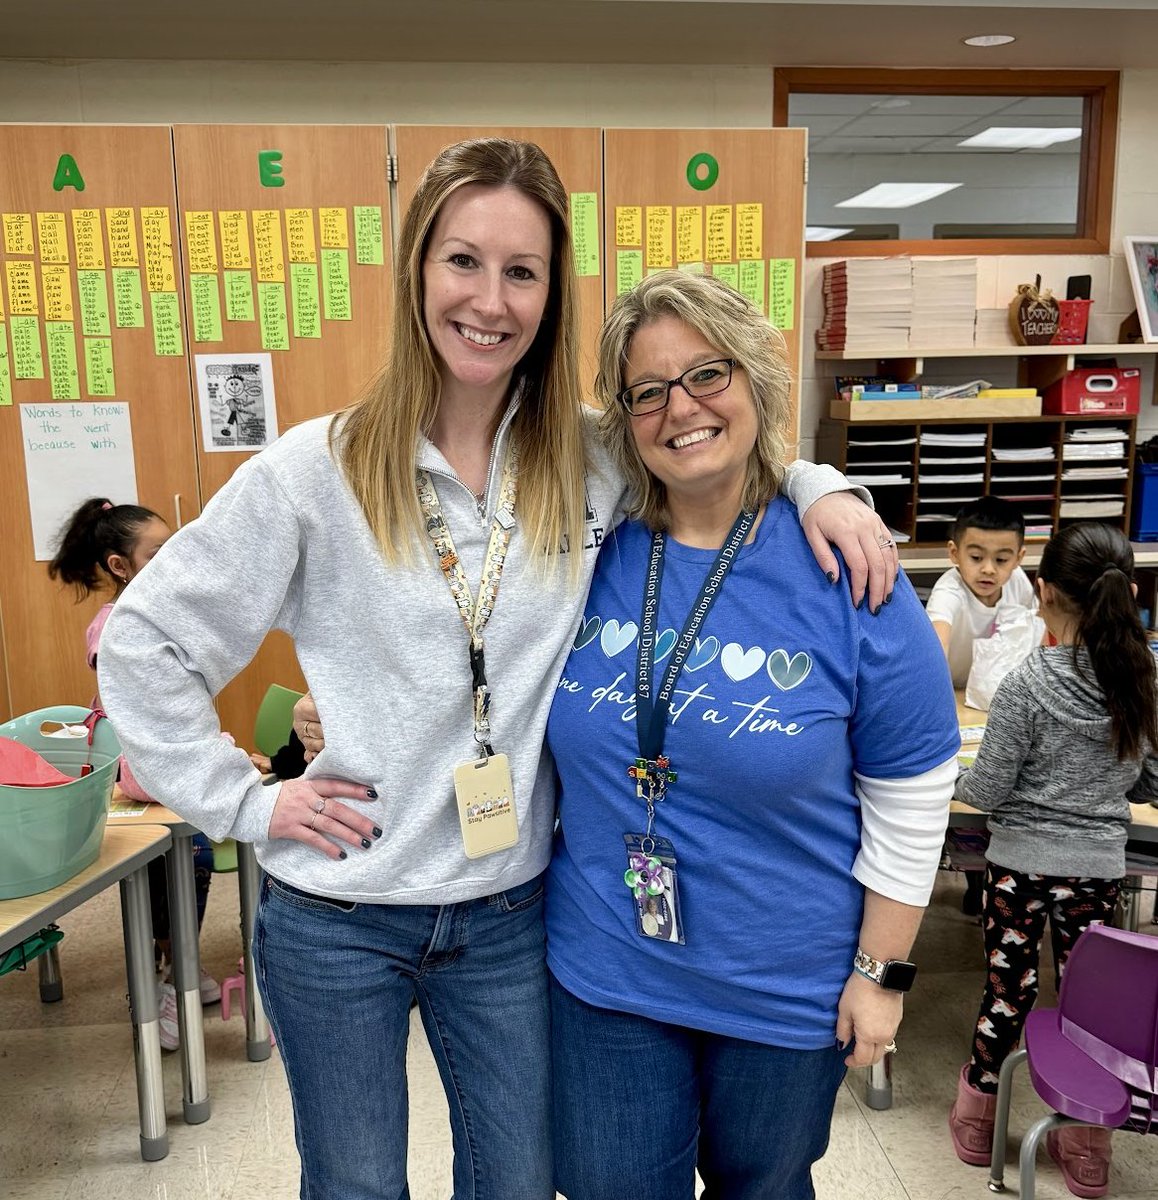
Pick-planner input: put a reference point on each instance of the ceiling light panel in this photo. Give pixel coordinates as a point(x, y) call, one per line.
point(1007, 137)
point(897, 195)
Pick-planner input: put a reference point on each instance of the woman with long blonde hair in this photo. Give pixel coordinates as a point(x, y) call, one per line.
point(365, 537)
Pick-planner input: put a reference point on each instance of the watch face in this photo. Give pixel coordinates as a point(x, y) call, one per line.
point(899, 976)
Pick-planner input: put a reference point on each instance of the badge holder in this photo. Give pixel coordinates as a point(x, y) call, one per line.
point(651, 875)
point(484, 794)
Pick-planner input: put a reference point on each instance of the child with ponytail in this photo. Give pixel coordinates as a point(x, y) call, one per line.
point(1070, 741)
point(105, 544)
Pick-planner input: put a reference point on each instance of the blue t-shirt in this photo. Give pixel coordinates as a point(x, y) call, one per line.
point(786, 692)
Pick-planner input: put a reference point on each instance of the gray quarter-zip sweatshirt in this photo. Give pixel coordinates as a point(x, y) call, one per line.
point(1058, 795)
point(284, 545)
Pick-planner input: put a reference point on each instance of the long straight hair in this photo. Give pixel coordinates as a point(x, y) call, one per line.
point(1092, 565)
point(379, 434)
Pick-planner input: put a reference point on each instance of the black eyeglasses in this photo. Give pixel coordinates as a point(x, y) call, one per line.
point(708, 379)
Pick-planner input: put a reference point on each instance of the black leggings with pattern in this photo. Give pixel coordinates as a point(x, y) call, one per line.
point(1016, 907)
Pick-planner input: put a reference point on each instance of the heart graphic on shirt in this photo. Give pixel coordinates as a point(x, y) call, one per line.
point(788, 673)
point(588, 632)
point(664, 644)
point(703, 653)
point(739, 663)
point(616, 637)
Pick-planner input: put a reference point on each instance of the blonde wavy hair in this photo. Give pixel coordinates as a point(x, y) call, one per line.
point(376, 439)
point(740, 331)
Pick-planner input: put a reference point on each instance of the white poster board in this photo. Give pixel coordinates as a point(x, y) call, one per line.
point(74, 450)
point(235, 395)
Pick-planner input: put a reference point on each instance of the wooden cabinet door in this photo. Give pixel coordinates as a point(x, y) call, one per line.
point(577, 155)
point(723, 201)
point(301, 192)
point(99, 200)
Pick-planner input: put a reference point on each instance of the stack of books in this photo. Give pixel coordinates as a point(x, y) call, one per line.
point(944, 303)
point(992, 328)
point(868, 304)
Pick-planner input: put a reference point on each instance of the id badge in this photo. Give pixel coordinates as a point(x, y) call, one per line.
point(654, 887)
point(485, 800)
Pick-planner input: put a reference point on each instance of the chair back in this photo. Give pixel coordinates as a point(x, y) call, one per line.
point(1108, 1007)
point(275, 719)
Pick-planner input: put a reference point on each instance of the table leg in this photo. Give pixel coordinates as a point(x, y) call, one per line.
point(187, 977)
point(51, 985)
point(878, 1093)
point(256, 1026)
point(1129, 904)
point(138, 928)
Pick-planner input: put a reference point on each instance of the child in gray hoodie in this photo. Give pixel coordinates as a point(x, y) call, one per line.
point(1069, 743)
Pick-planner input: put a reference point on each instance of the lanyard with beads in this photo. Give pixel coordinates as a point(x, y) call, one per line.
point(475, 613)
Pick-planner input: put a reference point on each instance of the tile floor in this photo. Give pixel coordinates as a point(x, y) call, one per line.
point(68, 1101)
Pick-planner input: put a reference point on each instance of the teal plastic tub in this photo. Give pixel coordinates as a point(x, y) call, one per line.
point(48, 834)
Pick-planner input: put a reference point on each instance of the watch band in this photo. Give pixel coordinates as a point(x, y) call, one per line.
point(893, 974)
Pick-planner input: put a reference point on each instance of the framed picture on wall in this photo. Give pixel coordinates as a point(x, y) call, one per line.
point(1142, 259)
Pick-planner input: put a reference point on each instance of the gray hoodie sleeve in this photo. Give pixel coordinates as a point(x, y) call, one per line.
point(184, 628)
point(804, 483)
point(1008, 738)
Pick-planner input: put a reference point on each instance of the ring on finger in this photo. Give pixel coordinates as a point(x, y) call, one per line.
point(307, 729)
point(891, 1048)
point(320, 805)
point(884, 541)
point(314, 818)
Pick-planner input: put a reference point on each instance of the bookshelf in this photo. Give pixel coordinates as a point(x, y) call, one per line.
point(1038, 366)
point(921, 471)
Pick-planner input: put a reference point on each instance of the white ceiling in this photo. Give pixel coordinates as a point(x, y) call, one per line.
point(1119, 33)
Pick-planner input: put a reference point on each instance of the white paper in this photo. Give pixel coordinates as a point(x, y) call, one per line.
point(236, 401)
point(74, 450)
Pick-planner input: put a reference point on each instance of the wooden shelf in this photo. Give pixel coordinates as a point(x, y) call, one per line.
point(1099, 351)
point(920, 492)
point(1038, 366)
point(916, 560)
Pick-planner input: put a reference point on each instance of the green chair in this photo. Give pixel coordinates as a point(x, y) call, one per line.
point(271, 730)
point(275, 719)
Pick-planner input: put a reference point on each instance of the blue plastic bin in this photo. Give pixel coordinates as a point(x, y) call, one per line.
point(48, 834)
point(1144, 522)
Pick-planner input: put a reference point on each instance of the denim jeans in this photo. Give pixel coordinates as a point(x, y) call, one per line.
point(338, 979)
point(639, 1105)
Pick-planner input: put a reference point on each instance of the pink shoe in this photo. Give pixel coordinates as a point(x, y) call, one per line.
point(971, 1123)
point(1083, 1154)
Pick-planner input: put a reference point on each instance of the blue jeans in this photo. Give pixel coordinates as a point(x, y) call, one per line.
point(640, 1104)
point(338, 979)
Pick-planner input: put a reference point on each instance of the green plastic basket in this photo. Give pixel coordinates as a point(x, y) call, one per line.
point(48, 834)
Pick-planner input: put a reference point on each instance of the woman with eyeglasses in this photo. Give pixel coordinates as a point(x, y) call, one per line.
point(755, 781)
point(378, 539)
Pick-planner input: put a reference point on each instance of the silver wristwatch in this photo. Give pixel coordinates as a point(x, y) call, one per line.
point(894, 974)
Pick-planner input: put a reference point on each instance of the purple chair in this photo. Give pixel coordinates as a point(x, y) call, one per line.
point(1094, 1058)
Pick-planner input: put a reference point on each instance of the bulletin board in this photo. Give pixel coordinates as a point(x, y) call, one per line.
point(94, 381)
point(577, 155)
point(286, 240)
point(727, 202)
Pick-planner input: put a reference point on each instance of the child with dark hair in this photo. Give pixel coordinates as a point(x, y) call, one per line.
point(110, 544)
point(986, 548)
point(1069, 742)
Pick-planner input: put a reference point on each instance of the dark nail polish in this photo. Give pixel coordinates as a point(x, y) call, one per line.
point(341, 854)
point(876, 612)
point(377, 832)
point(889, 598)
point(365, 843)
point(860, 603)
point(372, 793)
point(830, 576)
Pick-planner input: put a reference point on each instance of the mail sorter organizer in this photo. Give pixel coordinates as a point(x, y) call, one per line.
point(1057, 469)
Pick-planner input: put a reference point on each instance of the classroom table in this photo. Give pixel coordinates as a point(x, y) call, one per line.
point(187, 957)
point(124, 858)
point(1143, 828)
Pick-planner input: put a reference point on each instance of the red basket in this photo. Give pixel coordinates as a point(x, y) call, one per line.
point(1073, 322)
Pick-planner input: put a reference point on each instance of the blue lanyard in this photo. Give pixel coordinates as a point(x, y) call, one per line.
point(651, 710)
